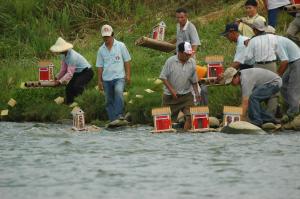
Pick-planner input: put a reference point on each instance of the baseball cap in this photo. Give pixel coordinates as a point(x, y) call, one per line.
point(188, 48)
point(259, 24)
point(228, 75)
point(106, 30)
point(230, 27)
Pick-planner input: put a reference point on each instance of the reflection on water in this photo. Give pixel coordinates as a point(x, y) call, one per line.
point(51, 161)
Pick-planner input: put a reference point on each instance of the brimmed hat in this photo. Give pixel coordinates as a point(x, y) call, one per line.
point(270, 29)
point(259, 24)
point(230, 27)
point(60, 46)
point(106, 30)
point(228, 75)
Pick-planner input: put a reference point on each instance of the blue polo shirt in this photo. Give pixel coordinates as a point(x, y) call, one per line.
point(112, 61)
point(291, 50)
point(73, 58)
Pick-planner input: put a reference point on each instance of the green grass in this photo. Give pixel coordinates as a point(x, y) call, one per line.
point(29, 28)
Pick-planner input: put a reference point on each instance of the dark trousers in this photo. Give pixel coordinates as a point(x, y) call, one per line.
point(76, 85)
point(245, 66)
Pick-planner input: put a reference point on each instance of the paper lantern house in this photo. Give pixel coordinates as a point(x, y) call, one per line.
point(78, 119)
point(158, 32)
point(200, 118)
point(46, 71)
point(232, 114)
point(214, 66)
point(162, 119)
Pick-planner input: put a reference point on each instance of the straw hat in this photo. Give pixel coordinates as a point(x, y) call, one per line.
point(228, 75)
point(60, 46)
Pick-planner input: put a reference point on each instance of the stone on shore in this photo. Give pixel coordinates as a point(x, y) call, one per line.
point(214, 122)
point(242, 127)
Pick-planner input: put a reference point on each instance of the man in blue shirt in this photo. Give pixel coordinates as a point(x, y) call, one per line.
point(75, 72)
point(113, 62)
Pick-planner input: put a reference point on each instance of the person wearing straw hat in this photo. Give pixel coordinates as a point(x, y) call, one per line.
point(257, 85)
point(75, 72)
point(113, 62)
point(179, 76)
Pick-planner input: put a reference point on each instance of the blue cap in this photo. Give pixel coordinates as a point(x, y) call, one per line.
point(230, 27)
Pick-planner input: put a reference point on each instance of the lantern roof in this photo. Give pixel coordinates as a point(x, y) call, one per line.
point(76, 110)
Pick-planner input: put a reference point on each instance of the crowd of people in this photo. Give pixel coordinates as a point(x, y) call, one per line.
point(254, 68)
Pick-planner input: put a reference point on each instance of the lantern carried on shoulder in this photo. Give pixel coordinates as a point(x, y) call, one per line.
point(200, 118)
point(158, 32)
point(78, 119)
point(46, 70)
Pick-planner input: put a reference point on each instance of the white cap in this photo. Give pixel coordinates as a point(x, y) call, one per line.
point(106, 30)
point(60, 46)
point(188, 48)
point(259, 24)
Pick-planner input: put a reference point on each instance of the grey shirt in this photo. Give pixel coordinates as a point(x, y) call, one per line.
point(253, 77)
point(180, 76)
point(188, 33)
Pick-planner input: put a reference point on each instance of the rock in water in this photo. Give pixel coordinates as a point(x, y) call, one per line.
point(117, 123)
point(214, 122)
point(296, 123)
point(242, 127)
point(271, 127)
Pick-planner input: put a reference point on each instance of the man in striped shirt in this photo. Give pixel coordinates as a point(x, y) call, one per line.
point(264, 49)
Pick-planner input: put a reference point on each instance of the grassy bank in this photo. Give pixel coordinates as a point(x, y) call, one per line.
point(26, 37)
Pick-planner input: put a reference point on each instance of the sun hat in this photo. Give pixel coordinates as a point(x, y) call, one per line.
point(259, 24)
point(230, 27)
point(60, 46)
point(270, 29)
point(228, 75)
point(106, 30)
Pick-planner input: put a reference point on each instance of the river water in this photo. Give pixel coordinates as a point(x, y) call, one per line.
point(50, 161)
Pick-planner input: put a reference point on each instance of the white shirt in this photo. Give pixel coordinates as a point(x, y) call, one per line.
point(264, 48)
point(240, 51)
point(272, 4)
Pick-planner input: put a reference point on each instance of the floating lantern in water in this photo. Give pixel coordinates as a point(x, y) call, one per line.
point(46, 71)
point(232, 114)
point(162, 119)
point(200, 118)
point(214, 66)
point(78, 119)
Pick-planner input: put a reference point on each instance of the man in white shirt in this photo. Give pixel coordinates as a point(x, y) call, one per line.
point(273, 7)
point(264, 49)
point(232, 34)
